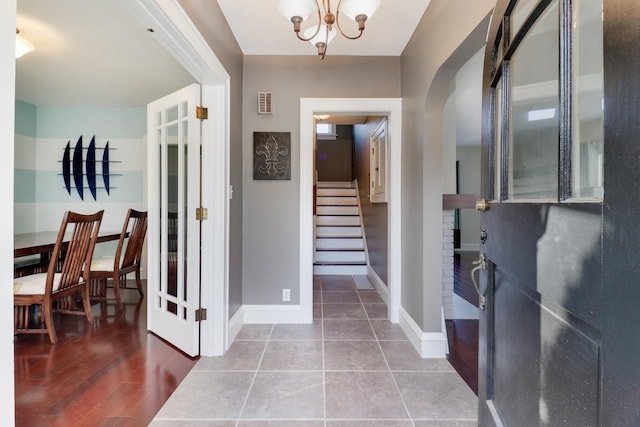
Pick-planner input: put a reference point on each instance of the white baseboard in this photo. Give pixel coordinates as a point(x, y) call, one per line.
point(427, 344)
point(235, 324)
point(378, 284)
point(264, 314)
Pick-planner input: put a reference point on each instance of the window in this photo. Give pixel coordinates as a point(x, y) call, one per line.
point(326, 131)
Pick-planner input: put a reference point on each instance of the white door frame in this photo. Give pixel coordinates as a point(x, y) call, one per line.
point(392, 108)
point(176, 32)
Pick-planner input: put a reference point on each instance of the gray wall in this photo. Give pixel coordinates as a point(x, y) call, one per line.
point(334, 157)
point(208, 18)
point(469, 158)
point(449, 33)
point(272, 208)
point(374, 215)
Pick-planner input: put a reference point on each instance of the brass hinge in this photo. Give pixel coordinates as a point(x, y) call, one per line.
point(201, 314)
point(202, 214)
point(202, 113)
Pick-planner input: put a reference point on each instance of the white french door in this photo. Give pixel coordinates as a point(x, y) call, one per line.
point(173, 285)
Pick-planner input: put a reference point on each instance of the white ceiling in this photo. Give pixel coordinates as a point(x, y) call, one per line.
point(91, 53)
point(261, 30)
point(95, 53)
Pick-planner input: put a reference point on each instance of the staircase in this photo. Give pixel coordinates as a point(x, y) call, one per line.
point(339, 244)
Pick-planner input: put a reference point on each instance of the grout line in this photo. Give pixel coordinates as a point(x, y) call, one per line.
point(255, 374)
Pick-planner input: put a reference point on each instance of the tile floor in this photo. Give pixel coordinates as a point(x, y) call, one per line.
point(350, 368)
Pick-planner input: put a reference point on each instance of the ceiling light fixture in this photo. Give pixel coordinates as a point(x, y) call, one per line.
point(297, 11)
point(23, 46)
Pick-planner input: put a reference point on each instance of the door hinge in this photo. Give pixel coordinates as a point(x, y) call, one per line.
point(201, 314)
point(202, 214)
point(202, 113)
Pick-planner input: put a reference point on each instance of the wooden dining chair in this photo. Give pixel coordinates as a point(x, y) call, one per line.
point(126, 260)
point(37, 296)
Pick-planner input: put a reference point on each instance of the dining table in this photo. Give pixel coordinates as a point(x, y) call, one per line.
point(27, 245)
point(42, 242)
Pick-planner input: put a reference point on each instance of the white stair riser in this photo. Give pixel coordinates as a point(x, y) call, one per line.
point(344, 192)
point(344, 270)
point(336, 201)
point(330, 244)
point(338, 220)
point(340, 256)
point(338, 232)
point(332, 184)
point(337, 210)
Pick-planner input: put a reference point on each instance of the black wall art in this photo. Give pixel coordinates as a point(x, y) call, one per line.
point(81, 166)
point(272, 155)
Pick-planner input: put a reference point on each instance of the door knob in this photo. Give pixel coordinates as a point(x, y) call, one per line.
point(482, 205)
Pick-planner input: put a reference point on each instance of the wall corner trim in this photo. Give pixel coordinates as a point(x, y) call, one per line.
point(235, 324)
point(431, 345)
point(264, 314)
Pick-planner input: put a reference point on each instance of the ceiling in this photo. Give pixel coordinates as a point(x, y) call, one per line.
point(95, 52)
point(261, 30)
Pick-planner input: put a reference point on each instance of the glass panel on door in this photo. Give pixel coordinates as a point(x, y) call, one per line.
point(588, 91)
point(534, 135)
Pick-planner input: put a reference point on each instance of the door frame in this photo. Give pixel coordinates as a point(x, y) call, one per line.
point(177, 33)
point(392, 108)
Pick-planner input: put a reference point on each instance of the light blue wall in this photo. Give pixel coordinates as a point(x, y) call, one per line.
point(26, 119)
point(42, 132)
point(107, 122)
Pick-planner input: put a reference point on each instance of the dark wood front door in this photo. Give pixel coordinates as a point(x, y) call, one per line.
point(561, 107)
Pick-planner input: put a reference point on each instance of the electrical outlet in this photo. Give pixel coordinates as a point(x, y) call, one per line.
point(286, 295)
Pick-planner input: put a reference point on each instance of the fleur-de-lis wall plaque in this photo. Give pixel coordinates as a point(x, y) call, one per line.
point(271, 155)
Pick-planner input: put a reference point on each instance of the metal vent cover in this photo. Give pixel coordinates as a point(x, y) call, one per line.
point(264, 103)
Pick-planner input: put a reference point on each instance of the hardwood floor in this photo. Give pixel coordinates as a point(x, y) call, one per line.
point(113, 373)
point(463, 334)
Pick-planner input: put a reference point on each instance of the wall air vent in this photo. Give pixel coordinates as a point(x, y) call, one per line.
point(264, 103)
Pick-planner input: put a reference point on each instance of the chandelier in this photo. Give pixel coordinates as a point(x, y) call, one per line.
point(297, 11)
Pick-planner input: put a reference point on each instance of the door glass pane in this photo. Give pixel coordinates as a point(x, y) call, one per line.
point(185, 135)
point(588, 95)
point(172, 208)
point(533, 139)
point(520, 13)
point(497, 140)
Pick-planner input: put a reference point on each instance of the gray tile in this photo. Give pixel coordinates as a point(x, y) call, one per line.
point(254, 332)
point(347, 329)
point(343, 311)
point(241, 356)
point(338, 284)
point(376, 311)
point(340, 298)
point(183, 423)
point(280, 423)
point(317, 297)
point(363, 395)
point(292, 356)
point(401, 356)
point(370, 423)
point(446, 423)
point(310, 331)
point(285, 395)
point(370, 297)
point(317, 311)
point(437, 396)
point(353, 356)
point(387, 331)
point(195, 396)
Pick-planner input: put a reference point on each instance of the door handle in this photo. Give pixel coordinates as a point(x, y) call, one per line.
point(482, 205)
point(479, 264)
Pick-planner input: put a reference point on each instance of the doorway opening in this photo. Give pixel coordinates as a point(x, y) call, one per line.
point(389, 107)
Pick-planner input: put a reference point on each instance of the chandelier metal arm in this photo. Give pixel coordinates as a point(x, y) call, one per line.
point(298, 20)
point(360, 19)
